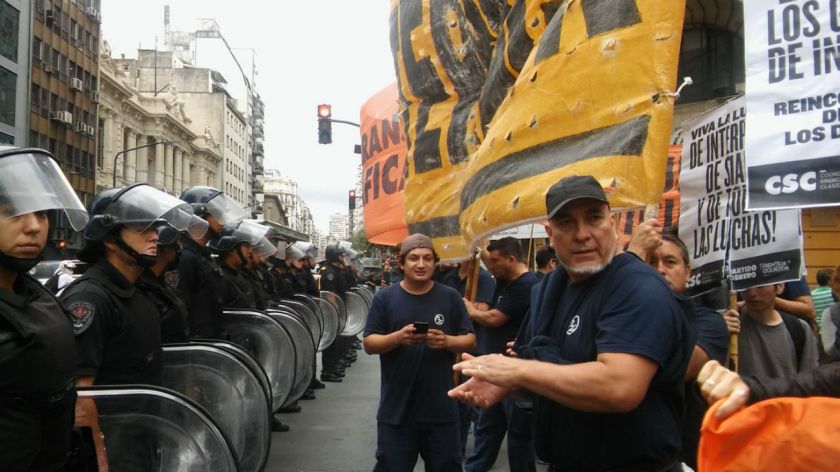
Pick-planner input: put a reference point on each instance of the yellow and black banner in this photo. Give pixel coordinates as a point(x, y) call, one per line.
point(501, 99)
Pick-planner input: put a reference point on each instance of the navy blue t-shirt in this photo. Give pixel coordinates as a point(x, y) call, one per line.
point(415, 379)
point(713, 338)
point(626, 308)
point(513, 299)
point(795, 289)
point(486, 285)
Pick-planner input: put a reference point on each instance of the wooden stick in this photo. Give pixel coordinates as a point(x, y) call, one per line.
point(733, 338)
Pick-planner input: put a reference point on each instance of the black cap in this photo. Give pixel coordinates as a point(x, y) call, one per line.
point(572, 188)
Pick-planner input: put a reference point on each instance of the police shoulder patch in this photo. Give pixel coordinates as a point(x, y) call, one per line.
point(330, 276)
point(82, 315)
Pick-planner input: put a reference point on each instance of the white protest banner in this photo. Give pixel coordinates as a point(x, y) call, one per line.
point(762, 246)
point(793, 102)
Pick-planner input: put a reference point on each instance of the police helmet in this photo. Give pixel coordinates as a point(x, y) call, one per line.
point(232, 235)
point(333, 252)
point(212, 201)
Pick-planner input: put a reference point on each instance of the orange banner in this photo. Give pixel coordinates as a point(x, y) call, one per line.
point(383, 168)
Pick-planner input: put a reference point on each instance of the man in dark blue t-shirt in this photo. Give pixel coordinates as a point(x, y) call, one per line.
point(457, 279)
point(495, 328)
point(609, 345)
point(416, 326)
point(666, 253)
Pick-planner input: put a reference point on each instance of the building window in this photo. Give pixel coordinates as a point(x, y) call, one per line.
point(8, 85)
point(714, 58)
point(6, 139)
point(9, 22)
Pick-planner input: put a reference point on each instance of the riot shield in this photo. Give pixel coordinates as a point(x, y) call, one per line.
point(329, 316)
point(246, 358)
point(304, 352)
point(269, 343)
point(149, 428)
point(338, 304)
point(306, 315)
point(357, 309)
point(229, 390)
point(365, 292)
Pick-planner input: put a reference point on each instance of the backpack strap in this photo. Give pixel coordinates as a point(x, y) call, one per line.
point(797, 333)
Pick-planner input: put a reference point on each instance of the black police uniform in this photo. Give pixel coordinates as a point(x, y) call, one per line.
point(199, 286)
point(117, 328)
point(238, 292)
point(284, 281)
point(307, 280)
point(334, 279)
point(37, 397)
point(261, 296)
point(172, 310)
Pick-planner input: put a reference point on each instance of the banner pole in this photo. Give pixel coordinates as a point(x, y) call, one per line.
point(733, 338)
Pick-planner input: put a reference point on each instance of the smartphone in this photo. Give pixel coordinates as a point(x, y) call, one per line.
point(421, 327)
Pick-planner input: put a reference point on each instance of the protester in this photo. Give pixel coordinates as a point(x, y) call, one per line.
point(822, 296)
point(717, 383)
point(37, 353)
point(546, 261)
point(771, 342)
point(795, 299)
point(831, 321)
point(608, 345)
point(494, 329)
point(669, 256)
point(483, 298)
point(415, 415)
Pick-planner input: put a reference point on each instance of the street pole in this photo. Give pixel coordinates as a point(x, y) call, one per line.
point(117, 155)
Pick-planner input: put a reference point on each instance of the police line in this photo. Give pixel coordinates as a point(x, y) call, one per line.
point(214, 408)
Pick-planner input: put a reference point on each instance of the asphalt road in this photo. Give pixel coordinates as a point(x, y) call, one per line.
point(337, 431)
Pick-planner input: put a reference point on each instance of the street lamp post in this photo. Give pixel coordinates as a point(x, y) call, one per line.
point(117, 155)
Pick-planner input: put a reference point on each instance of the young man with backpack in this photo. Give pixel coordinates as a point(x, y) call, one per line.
point(771, 343)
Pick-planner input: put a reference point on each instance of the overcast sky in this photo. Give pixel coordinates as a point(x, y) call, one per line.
point(309, 52)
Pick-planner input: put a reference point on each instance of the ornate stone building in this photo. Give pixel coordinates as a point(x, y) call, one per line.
point(172, 153)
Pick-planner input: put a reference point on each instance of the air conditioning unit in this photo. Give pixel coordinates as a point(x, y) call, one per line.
point(94, 96)
point(67, 118)
point(57, 115)
point(80, 127)
point(49, 16)
point(91, 130)
point(76, 84)
point(91, 11)
point(48, 68)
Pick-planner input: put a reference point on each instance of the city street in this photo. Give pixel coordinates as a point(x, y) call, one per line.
point(337, 431)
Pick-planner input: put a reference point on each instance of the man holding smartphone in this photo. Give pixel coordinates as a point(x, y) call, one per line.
point(416, 326)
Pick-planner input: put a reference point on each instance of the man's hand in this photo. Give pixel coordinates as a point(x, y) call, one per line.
point(475, 391)
point(408, 337)
point(717, 382)
point(494, 368)
point(436, 339)
point(733, 321)
point(509, 351)
point(645, 239)
point(471, 309)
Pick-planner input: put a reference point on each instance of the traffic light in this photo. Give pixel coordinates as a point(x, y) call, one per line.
point(352, 195)
point(324, 124)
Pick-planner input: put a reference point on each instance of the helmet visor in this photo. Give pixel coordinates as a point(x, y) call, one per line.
point(31, 182)
point(295, 252)
point(250, 233)
point(225, 209)
point(142, 207)
point(265, 249)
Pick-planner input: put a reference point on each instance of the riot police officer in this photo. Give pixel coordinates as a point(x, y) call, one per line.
point(37, 352)
point(117, 327)
point(307, 277)
point(199, 278)
point(158, 283)
point(253, 273)
point(234, 246)
point(334, 280)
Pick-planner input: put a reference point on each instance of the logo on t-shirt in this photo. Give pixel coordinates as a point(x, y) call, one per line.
point(439, 319)
point(573, 325)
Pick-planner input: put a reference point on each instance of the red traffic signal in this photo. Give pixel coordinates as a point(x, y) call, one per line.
point(324, 111)
point(352, 199)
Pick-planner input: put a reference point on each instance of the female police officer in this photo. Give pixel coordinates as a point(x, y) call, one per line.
point(36, 337)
